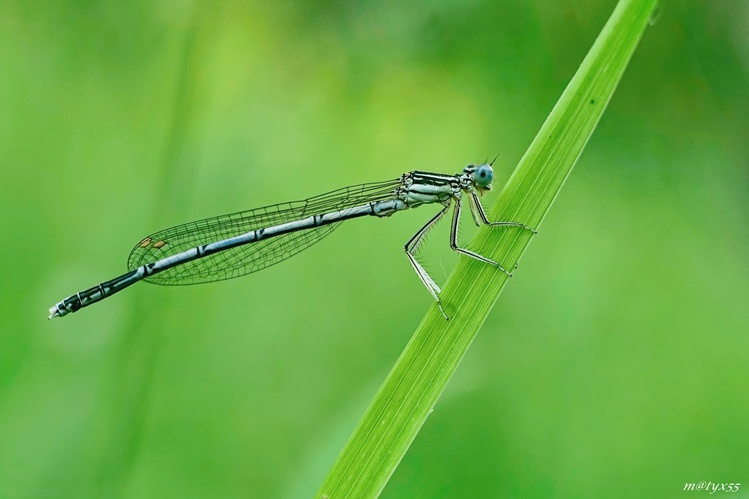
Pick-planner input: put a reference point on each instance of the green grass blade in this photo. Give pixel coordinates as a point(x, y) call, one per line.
point(421, 373)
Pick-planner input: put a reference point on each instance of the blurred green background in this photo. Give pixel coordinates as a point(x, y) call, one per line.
point(616, 364)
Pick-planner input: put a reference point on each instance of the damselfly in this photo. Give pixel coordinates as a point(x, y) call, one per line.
point(240, 243)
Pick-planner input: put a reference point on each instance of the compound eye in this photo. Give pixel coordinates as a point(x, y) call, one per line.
point(483, 176)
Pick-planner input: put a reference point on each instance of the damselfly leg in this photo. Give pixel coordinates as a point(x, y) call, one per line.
point(412, 246)
point(479, 217)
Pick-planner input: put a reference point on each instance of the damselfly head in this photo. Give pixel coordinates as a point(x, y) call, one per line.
point(483, 175)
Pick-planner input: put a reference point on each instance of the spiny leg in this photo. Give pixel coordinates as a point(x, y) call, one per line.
point(412, 246)
point(479, 210)
point(454, 240)
point(472, 203)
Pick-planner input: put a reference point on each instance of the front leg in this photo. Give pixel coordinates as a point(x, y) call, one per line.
point(479, 210)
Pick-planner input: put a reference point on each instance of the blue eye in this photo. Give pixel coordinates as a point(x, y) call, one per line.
point(483, 175)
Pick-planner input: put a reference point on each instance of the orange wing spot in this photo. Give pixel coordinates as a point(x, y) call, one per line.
point(144, 243)
point(159, 244)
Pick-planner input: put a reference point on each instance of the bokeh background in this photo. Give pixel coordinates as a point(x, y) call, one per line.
point(615, 364)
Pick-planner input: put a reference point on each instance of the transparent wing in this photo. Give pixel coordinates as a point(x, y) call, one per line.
point(241, 260)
